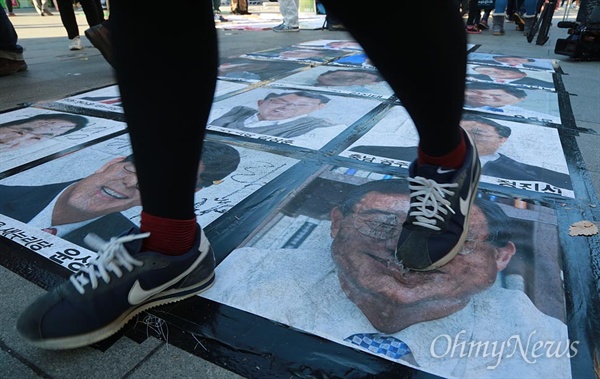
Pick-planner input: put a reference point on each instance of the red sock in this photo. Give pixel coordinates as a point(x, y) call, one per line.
point(454, 159)
point(168, 236)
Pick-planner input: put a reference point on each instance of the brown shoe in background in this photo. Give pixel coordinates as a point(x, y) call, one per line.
point(99, 36)
point(11, 66)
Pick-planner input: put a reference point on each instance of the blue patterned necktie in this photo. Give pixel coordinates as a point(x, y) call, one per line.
point(493, 109)
point(380, 344)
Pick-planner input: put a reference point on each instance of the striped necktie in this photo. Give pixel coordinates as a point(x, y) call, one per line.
point(380, 344)
point(493, 109)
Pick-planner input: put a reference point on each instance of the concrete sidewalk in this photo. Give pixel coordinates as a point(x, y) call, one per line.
point(55, 72)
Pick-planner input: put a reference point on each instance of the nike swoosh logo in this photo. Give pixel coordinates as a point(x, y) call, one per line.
point(465, 203)
point(442, 171)
point(137, 294)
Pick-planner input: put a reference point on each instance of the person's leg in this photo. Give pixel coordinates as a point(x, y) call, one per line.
point(160, 137)
point(472, 19)
point(513, 10)
point(463, 6)
point(92, 9)
point(8, 35)
point(511, 7)
point(37, 4)
point(477, 18)
point(289, 11)
point(168, 258)
point(67, 16)
point(243, 7)
point(11, 53)
point(486, 15)
point(529, 15)
point(447, 169)
point(443, 59)
point(45, 9)
point(483, 21)
point(498, 17)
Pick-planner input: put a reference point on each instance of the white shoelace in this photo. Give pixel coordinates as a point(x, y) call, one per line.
point(430, 201)
point(112, 255)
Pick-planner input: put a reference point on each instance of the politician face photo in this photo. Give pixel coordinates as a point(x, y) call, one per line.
point(351, 81)
point(20, 133)
point(298, 54)
point(288, 116)
point(364, 241)
point(326, 266)
point(253, 70)
point(348, 78)
point(511, 61)
point(33, 134)
point(519, 77)
point(289, 106)
point(523, 103)
point(333, 44)
point(509, 151)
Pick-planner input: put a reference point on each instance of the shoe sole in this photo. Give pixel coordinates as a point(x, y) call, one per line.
point(99, 42)
point(161, 298)
point(461, 241)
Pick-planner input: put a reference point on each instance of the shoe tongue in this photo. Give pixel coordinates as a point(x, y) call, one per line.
point(437, 173)
point(135, 246)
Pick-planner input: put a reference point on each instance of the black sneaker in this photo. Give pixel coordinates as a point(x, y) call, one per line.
point(121, 282)
point(438, 218)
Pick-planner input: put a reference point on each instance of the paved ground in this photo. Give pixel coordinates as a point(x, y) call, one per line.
point(55, 72)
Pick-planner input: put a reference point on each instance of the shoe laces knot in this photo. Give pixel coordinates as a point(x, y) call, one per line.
point(112, 256)
point(428, 198)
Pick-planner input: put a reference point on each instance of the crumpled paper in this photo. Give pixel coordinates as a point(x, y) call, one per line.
point(583, 228)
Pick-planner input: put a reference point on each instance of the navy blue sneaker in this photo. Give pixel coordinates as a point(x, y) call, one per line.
point(121, 282)
point(438, 218)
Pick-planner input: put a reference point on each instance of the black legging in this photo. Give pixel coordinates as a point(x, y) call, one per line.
point(92, 9)
point(425, 68)
point(8, 35)
point(473, 11)
point(167, 97)
point(9, 6)
point(167, 93)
